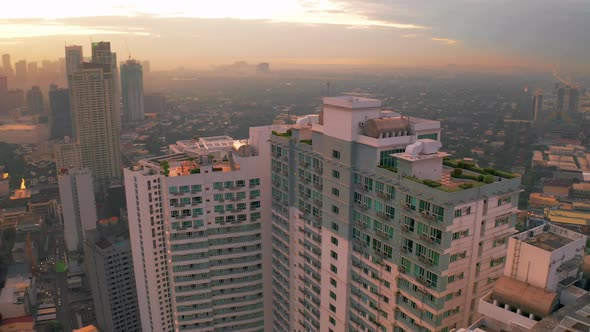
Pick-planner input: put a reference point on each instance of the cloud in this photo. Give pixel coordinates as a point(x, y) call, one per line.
point(445, 40)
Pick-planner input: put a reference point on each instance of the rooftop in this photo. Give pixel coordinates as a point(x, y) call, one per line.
point(352, 102)
point(548, 241)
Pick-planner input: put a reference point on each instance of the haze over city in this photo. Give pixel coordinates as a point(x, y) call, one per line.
point(196, 34)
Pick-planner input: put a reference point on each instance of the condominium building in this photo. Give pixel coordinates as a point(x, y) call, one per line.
point(195, 221)
point(370, 229)
point(96, 122)
point(77, 205)
point(132, 89)
point(67, 154)
point(109, 267)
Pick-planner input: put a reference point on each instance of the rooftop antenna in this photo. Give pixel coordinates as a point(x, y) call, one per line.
point(127, 47)
point(328, 88)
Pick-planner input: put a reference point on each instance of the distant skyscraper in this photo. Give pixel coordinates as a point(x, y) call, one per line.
point(263, 67)
point(101, 53)
point(21, 73)
point(132, 89)
point(7, 65)
point(95, 122)
point(32, 72)
point(35, 100)
point(568, 99)
point(154, 103)
point(537, 105)
point(74, 59)
point(146, 66)
point(109, 267)
point(77, 205)
point(60, 119)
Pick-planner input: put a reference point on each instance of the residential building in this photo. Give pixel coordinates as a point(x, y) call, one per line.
point(195, 222)
point(132, 89)
point(101, 53)
point(73, 61)
point(537, 105)
point(67, 154)
point(109, 267)
point(34, 100)
point(61, 118)
point(7, 65)
point(77, 206)
point(96, 122)
point(543, 266)
point(371, 232)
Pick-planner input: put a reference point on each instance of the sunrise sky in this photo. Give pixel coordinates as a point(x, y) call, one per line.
point(173, 33)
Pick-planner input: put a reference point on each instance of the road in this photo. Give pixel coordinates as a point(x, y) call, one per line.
point(63, 310)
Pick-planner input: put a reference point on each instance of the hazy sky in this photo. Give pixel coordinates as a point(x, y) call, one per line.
point(189, 33)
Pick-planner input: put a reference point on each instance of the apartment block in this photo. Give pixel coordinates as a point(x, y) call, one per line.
point(370, 229)
point(195, 219)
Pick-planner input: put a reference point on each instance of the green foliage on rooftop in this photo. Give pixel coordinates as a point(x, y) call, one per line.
point(389, 168)
point(165, 167)
point(288, 133)
point(471, 167)
point(306, 141)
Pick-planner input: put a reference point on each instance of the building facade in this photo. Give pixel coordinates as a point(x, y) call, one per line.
point(196, 234)
point(34, 100)
point(60, 118)
point(109, 267)
point(96, 122)
point(78, 207)
point(132, 90)
point(361, 242)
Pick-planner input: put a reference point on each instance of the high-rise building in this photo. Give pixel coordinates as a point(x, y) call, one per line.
point(95, 122)
point(67, 154)
point(568, 99)
point(146, 66)
point(74, 59)
point(195, 220)
point(32, 72)
point(370, 229)
point(132, 89)
point(3, 85)
point(263, 67)
point(7, 65)
point(101, 53)
point(537, 105)
point(109, 268)
point(543, 268)
point(77, 205)
point(35, 100)
point(21, 73)
point(60, 119)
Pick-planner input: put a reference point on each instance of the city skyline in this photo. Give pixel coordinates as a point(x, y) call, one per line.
point(294, 32)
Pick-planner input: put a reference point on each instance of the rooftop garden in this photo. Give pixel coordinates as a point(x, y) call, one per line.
point(389, 168)
point(440, 186)
point(288, 133)
point(485, 174)
point(306, 141)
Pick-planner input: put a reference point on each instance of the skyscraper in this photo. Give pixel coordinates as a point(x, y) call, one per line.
point(109, 267)
point(371, 232)
point(7, 65)
point(21, 73)
point(568, 99)
point(101, 53)
point(60, 119)
point(77, 205)
point(132, 89)
point(68, 154)
point(537, 105)
point(34, 100)
point(195, 220)
point(32, 72)
point(3, 85)
point(95, 122)
point(74, 59)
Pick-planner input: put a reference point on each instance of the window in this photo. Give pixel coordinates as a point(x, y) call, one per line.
point(335, 226)
point(173, 190)
point(254, 182)
point(335, 174)
point(333, 254)
point(333, 268)
point(195, 188)
point(502, 221)
point(335, 209)
point(333, 282)
point(218, 185)
point(497, 261)
point(184, 189)
point(334, 240)
point(335, 154)
point(332, 295)
point(504, 200)
point(332, 320)
point(460, 234)
point(499, 242)
point(458, 256)
point(240, 183)
point(336, 192)
point(332, 308)
point(385, 158)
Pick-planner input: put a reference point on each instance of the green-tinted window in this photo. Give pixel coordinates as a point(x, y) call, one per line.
point(429, 136)
point(385, 158)
point(335, 174)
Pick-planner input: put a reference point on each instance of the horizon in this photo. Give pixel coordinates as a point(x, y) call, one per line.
point(342, 32)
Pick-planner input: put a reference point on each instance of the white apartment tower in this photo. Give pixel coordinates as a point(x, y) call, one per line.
point(195, 221)
point(77, 205)
point(96, 122)
point(371, 232)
